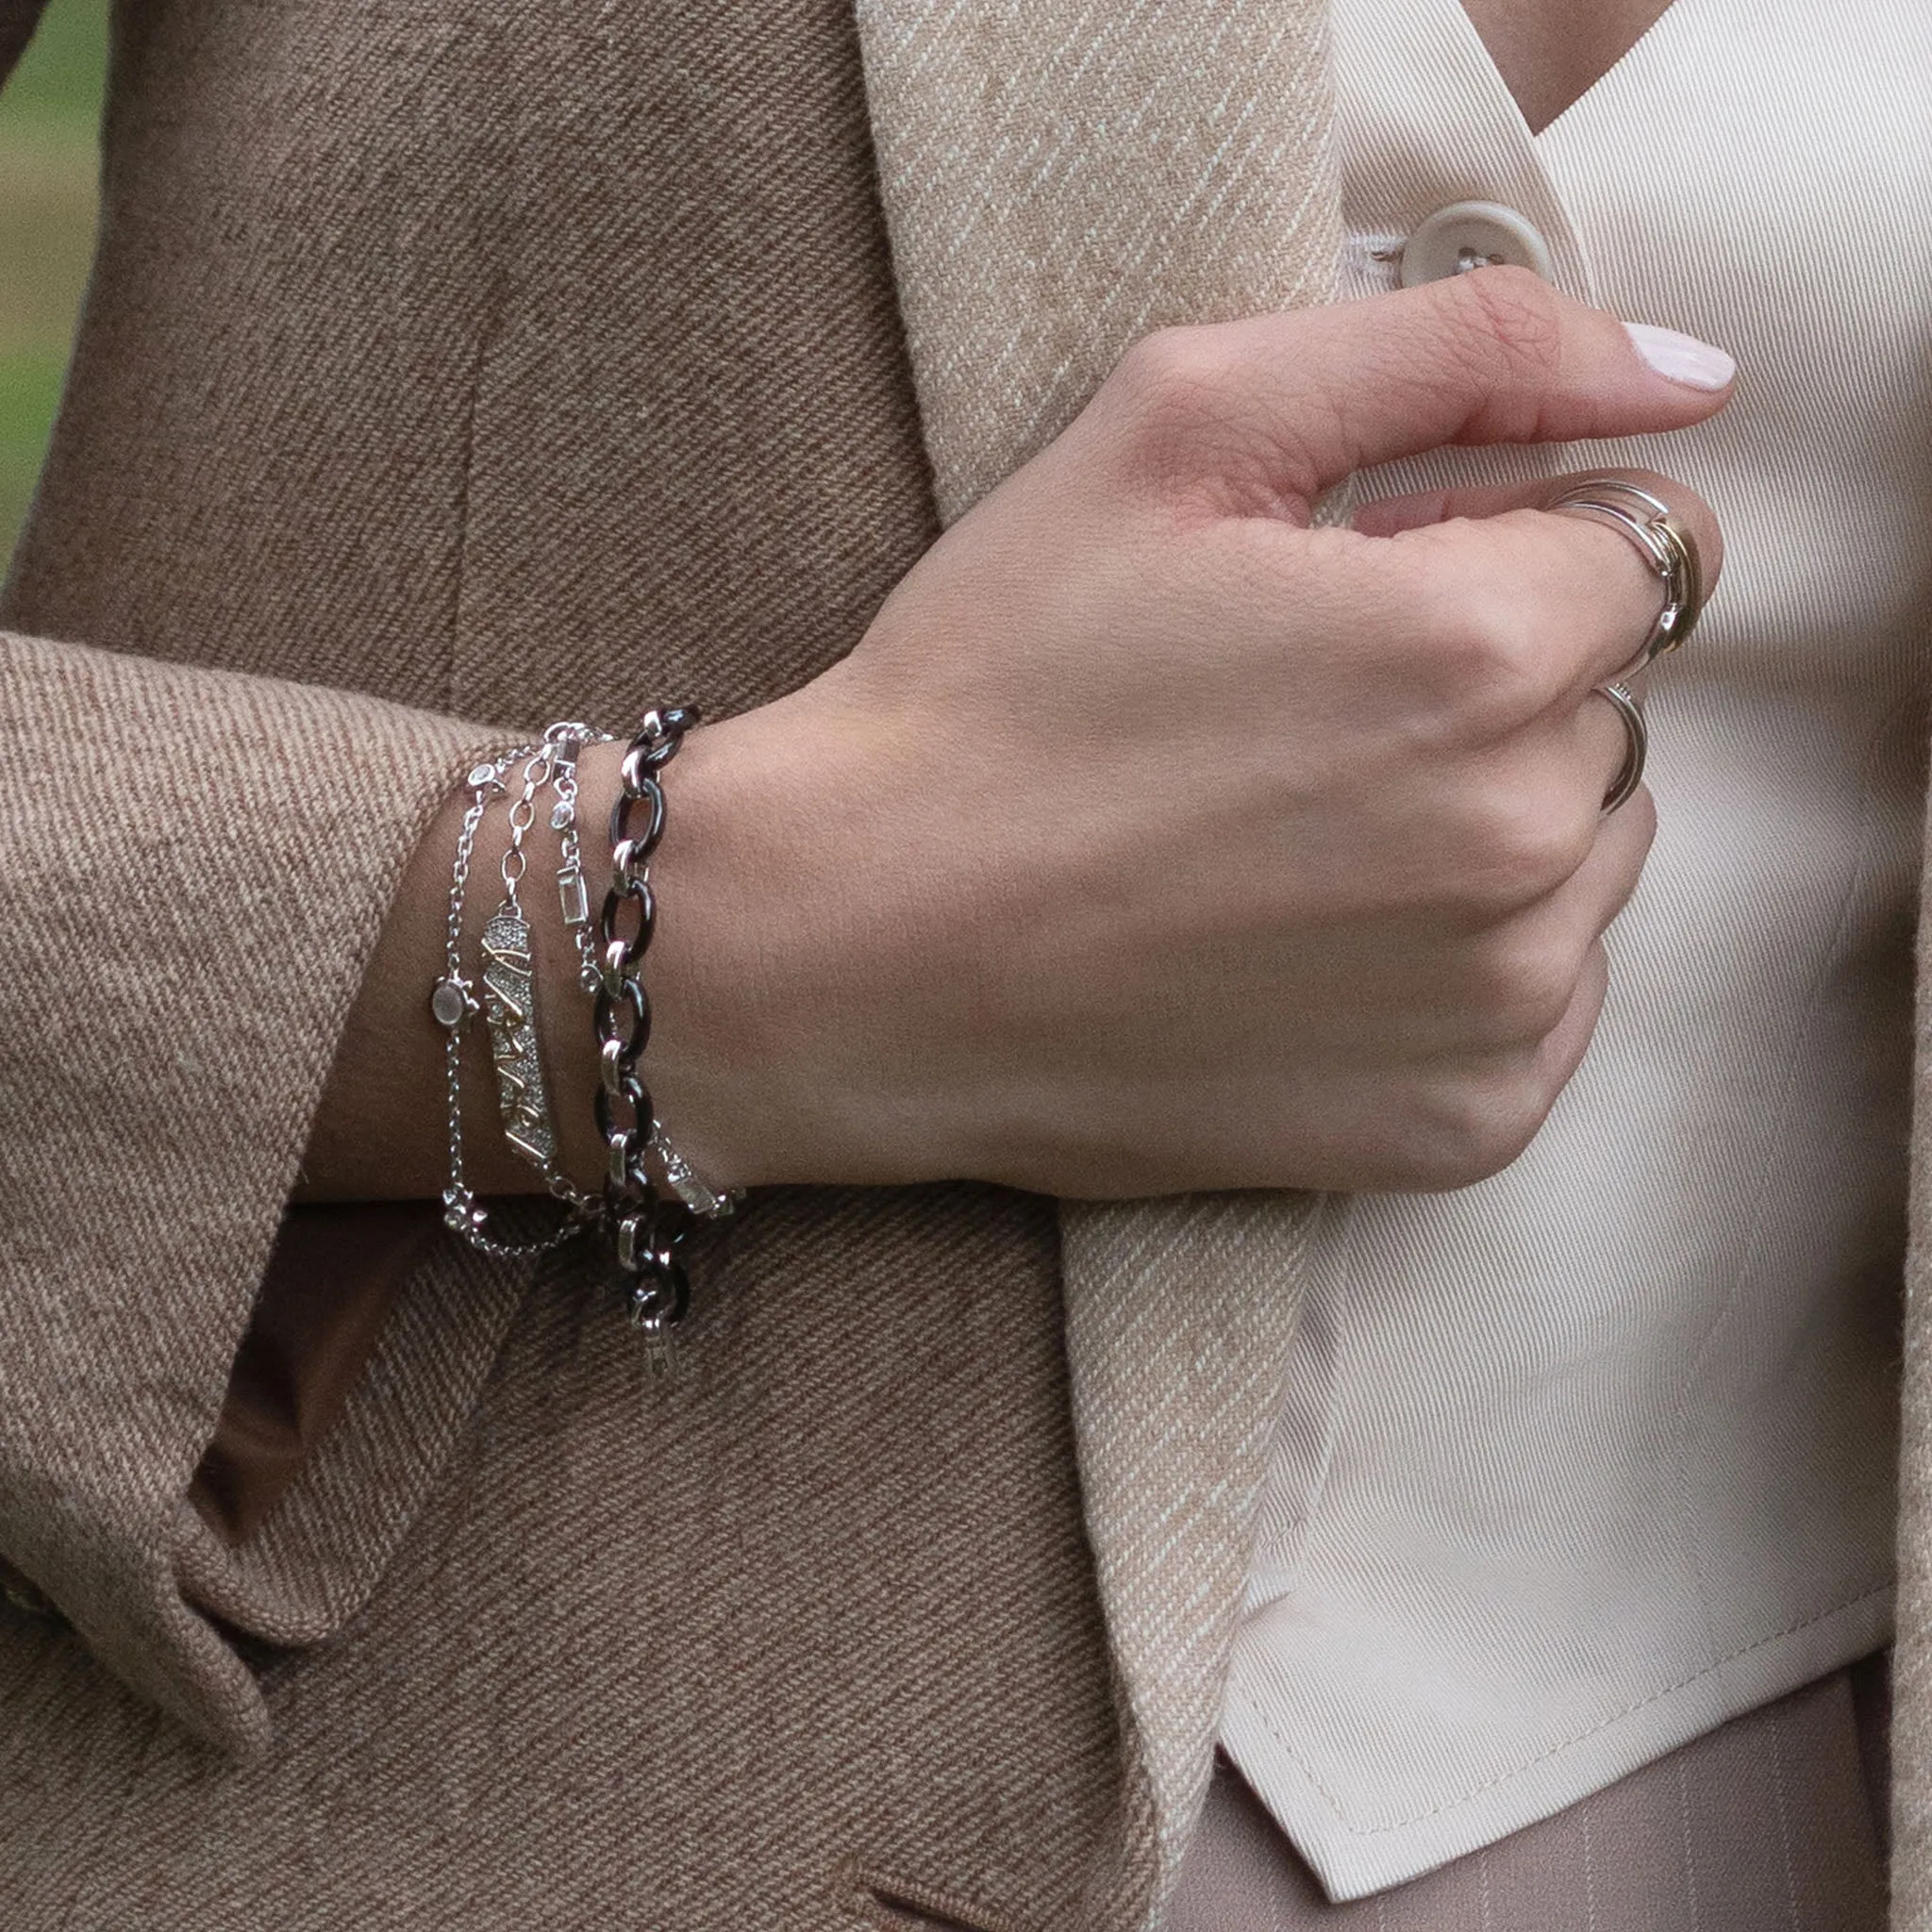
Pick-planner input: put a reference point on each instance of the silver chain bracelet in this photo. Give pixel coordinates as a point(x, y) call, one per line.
point(453, 1003)
point(641, 1166)
point(649, 1231)
point(572, 895)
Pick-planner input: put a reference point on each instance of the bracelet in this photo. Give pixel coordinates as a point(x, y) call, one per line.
point(667, 1166)
point(453, 1003)
point(648, 1230)
point(642, 1167)
point(509, 990)
point(573, 895)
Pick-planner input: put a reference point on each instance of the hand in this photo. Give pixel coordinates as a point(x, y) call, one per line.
point(1151, 839)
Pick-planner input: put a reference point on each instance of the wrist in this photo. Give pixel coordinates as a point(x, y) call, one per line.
point(708, 1081)
point(776, 1031)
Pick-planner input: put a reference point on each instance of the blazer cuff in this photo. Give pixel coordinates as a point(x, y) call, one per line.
point(197, 866)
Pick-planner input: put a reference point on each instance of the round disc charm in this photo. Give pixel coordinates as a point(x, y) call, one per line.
point(450, 1002)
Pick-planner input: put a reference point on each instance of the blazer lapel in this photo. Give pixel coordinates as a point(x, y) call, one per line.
point(1179, 1317)
point(1059, 177)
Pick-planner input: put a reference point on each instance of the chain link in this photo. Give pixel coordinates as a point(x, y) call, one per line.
point(649, 1231)
point(522, 815)
point(573, 896)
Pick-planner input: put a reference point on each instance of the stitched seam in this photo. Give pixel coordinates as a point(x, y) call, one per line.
point(1589, 1871)
point(1689, 1844)
point(1502, 1778)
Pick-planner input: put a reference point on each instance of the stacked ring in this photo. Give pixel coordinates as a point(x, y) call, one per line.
point(1666, 543)
point(1662, 539)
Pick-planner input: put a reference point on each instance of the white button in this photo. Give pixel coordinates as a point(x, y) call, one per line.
point(1472, 234)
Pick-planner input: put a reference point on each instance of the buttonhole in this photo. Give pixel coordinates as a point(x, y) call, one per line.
point(897, 1905)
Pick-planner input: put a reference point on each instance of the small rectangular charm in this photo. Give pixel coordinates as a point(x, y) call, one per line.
point(571, 895)
point(509, 1006)
point(661, 1355)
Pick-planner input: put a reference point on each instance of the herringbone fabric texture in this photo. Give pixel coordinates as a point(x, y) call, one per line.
point(1059, 179)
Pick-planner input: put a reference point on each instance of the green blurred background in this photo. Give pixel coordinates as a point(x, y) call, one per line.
point(49, 117)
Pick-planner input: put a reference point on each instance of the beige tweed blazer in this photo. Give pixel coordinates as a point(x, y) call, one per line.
point(447, 366)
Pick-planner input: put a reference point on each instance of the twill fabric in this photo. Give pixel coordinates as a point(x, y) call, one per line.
point(1058, 181)
point(1587, 1458)
point(444, 370)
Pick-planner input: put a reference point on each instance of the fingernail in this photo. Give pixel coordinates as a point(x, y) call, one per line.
point(1680, 357)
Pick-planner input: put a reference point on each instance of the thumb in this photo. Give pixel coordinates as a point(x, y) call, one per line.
point(1267, 412)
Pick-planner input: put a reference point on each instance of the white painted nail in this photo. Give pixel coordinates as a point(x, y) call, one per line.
point(1682, 358)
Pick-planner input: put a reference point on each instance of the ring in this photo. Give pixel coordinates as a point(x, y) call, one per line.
point(1636, 746)
point(1662, 539)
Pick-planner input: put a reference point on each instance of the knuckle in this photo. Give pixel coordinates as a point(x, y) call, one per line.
point(1482, 1123)
point(1174, 374)
point(1496, 676)
point(1639, 813)
point(1523, 988)
point(1518, 847)
point(1191, 426)
point(1486, 660)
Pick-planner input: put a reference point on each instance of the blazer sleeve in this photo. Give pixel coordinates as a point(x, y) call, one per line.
point(194, 865)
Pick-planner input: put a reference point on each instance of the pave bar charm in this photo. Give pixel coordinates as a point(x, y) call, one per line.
point(452, 1002)
point(509, 1005)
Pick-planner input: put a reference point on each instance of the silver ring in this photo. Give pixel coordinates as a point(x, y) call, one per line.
point(1662, 539)
point(1636, 746)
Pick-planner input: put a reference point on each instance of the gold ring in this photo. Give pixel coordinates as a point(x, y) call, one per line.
point(1662, 539)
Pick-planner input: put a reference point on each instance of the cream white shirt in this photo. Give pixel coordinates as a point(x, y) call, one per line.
point(1583, 1462)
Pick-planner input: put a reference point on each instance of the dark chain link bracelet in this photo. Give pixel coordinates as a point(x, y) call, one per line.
point(648, 1231)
